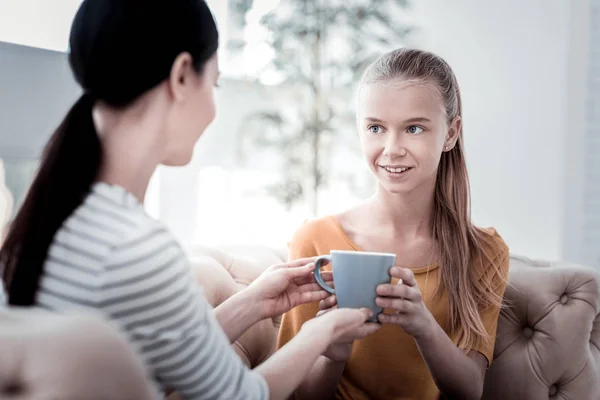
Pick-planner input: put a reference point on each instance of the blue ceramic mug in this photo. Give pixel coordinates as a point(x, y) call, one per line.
point(356, 275)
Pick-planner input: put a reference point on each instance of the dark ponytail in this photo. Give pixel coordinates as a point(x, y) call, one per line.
point(68, 168)
point(119, 49)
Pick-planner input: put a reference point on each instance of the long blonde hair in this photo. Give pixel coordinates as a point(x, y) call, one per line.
point(460, 243)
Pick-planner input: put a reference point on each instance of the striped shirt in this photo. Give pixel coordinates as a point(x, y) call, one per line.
point(111, 258)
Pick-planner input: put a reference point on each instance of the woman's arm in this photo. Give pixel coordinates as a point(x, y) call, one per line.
point(288, 367)
point(324, 378)
point(237, 314)
point(276, 291)
point(171, 324)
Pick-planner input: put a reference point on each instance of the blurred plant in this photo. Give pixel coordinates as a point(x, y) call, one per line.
point(320, 50)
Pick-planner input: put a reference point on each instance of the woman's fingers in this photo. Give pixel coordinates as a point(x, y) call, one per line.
point(300, 272)
point(366, 329)
point(327, 277)
point(328, 302)
point(312, 296)
point(397, 319)
point(310, 287)
point(299, 262)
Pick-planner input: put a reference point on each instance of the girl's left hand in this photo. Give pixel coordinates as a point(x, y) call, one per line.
point(405, 297)
point(285, 286)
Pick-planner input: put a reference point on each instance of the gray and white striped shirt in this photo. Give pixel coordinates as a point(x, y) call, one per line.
point(111, 257)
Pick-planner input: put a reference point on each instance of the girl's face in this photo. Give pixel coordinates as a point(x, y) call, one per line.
point(403, 131)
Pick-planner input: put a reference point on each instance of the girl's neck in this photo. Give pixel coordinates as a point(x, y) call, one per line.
point(404, 215)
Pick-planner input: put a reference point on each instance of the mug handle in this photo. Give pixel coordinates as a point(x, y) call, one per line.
point(318, 265)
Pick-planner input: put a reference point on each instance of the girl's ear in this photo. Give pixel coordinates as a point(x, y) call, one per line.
point(453, 133)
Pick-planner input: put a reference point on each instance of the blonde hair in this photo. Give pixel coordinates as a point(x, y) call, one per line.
point(460, 242)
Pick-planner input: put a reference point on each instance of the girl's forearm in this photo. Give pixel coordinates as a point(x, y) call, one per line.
point(456, 375)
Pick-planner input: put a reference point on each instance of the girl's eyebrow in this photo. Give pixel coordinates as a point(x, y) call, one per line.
point(408, 121)
point(417, 119)
point(371, 119)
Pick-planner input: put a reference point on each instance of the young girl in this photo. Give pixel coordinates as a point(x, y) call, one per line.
point(82, 241)
point(443, 304)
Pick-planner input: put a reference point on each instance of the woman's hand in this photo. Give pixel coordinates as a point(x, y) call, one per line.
point(285, 286)
point(340, 350)
point(340, 325)
point(405, 297)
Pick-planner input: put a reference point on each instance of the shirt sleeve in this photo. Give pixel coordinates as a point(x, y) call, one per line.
point(148, 289)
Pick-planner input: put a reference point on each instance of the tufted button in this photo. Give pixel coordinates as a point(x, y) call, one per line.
point(12, 389)
point(528, 332)
point(553, 390)
point(564, 299)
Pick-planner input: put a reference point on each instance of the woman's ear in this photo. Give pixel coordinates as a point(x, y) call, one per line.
point(180, 79)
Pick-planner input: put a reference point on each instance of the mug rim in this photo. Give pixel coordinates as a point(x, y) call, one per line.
point(367, 253)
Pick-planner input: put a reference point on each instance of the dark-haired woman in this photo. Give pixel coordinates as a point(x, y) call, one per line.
point(82, 241)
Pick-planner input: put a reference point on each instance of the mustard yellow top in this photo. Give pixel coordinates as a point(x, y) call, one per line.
point(388, 365)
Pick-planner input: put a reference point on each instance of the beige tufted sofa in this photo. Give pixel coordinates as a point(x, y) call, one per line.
point(51, 356)
point(548, 341)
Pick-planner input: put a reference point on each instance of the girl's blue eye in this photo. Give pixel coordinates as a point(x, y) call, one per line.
point(414, 130)
point(376, 129)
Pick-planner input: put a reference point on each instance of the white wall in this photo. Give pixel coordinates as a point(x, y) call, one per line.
point(511, 60)
point(37, 23)
point(576, 244)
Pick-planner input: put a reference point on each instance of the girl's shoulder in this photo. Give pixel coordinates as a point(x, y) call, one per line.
point(491, 243)
point(329, 226)
point(492, 262)
point(316, 229)
point(318, 236)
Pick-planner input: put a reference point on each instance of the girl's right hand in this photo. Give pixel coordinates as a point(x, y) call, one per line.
point(351, 324)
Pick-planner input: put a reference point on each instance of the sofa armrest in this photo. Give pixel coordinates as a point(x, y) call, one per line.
point(55, 356)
